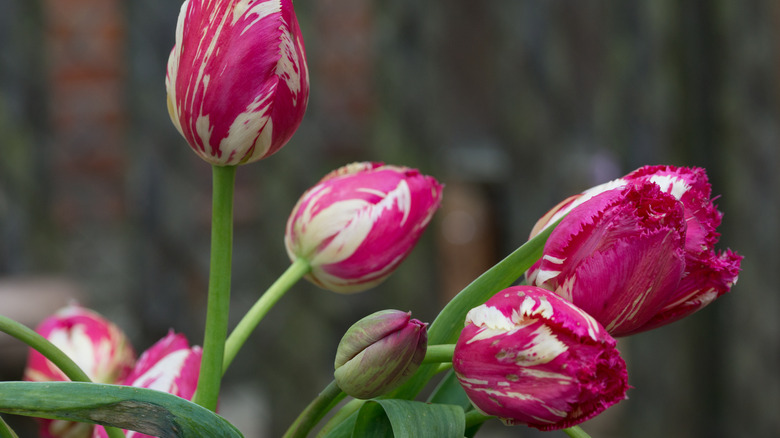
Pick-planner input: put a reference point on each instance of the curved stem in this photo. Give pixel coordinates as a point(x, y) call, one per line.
point(576, 432)
point(51, 352)
point(439, 353)
point(249, 322)
point(218, 306)
point(314, 412)
point(43, 346)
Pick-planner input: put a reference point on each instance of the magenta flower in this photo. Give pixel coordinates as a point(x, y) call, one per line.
point(638, 252)
point(170, 365)
point(96, 345)
point(529, 357)
point(379, 353)
point(359, 222)
point(237, 78)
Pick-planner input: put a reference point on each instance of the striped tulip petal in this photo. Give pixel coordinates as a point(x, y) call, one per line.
point(237, 78)
point(171, 366)
point(95, 344)
point(530, 357)
point(359, 223)
point(638, 252)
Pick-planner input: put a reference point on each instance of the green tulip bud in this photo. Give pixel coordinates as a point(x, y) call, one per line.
point(379, 353)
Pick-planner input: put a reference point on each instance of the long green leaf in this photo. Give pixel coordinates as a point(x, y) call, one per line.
point(409, 419)
point(143, 410)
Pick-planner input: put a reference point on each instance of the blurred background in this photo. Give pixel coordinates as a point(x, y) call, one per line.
point(512, 104)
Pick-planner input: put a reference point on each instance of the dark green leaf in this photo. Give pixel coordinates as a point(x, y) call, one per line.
point(144, 410)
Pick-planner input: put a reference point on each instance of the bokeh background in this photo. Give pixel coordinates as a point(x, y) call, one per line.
point(513, 104)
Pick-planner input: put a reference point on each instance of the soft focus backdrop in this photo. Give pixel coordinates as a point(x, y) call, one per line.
point(512, 104)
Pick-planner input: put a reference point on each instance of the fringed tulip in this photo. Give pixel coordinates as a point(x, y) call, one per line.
point(638, 252)
point(96, 345)
point(530, 357)
point(171, 366)
point(359, 222)
point(237, 78)
point(379, 353)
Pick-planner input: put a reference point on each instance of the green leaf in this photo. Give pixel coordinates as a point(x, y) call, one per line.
point(408, 419)
point(143, 410)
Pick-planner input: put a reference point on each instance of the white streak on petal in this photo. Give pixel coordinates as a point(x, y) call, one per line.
point(555, 260)
point(671, 184)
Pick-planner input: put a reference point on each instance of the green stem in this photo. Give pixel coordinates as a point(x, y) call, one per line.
point(576, 432)
point(439, 353)
point(249, 322)
point(6, 431)
point(51, 352)
point(43, 346)
point(317, 409)
point(218, 305)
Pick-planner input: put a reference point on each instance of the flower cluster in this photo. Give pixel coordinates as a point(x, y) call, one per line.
point(627, 256)
point(103, 351)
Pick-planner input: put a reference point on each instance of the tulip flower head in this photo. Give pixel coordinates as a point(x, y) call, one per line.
point(171, 366)
point(237, 78)
point(359, 222)
point(529, 357)
point(96, 345)
point(379, 353)
point(638, 252)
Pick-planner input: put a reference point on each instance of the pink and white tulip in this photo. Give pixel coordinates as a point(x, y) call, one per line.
point(529, 357)
point(237, 78)
point(638, 252)
point(96, 345)
point(359, 223)
point(171, 366)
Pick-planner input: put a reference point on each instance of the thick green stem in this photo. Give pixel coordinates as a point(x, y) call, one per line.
point(249, 322)
point(439, 353)
point(51, 352)
point(576, 432)
point(317, 409)
point(218, 305)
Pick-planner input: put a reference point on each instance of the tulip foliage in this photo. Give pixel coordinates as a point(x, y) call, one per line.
point(621, 258)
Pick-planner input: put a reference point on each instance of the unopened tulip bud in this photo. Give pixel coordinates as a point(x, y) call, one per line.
point(379, 352)
point(359, 223)
point(527, 356)
point(237, 78)
point(96, 345)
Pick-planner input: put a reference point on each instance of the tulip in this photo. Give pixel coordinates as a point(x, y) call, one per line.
point(529, 357)
point(237, 78)
point(359, 222)
point(379, 353)
point(170, 365)
point(96, 345)
point(602, 256)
